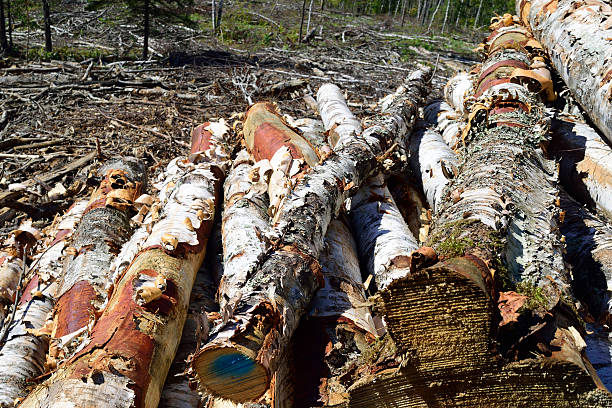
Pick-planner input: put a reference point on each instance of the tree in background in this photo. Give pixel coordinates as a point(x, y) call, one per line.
point(47, 24)
point(3, 40)
point(149, 11)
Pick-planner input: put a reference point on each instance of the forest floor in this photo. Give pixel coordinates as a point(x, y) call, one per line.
point(64, 111)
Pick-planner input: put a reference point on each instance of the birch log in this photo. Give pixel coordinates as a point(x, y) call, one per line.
point(277, 294)
point(22, 357)
point(589, 250)
point(466, 344)
point(385, 241)
point(340, 309)
point(446, 121)
point(132, 344)
point(104, 228)
point(21, 242)
point(576, 35)
point(434, 162)
point(586, 162)
point(177, 392)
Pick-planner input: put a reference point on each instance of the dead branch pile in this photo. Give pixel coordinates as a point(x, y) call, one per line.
point(423, 256)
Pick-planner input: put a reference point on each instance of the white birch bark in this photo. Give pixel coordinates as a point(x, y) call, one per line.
point(337, 118)
point(21, 242)
point(132, 344)
point(245, 229)
point(22, 356)
point(446, 121)
point(434, 162)
point(576, 35)
point(277, 294)
point(586, 161)
point(385, 241)
point(457, 90)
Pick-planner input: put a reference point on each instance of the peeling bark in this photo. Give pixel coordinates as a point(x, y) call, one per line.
point(277, 294)
point(446, 121)
point(586, 162)
point(22, 357)
point(457, 90)
point(132, 344)
point(104, 228)
point(18, 248)
point(265, 131)
point(576, 35)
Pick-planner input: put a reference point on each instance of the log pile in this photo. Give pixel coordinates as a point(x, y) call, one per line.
point(322, 285)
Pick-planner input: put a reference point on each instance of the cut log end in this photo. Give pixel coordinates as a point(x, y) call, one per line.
point(230, 374)
point(418, 312)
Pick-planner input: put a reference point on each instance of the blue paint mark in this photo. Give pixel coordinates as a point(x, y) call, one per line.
point(232, 365)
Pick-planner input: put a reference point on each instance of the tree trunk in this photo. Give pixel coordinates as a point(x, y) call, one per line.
point(309, 16)
point(339, 311)
point(10, 23)
point(404, 13)
point(219, 16)
point(279, 291)
point(585, 165)
point(302, 21)
point(457, 90)
point(104, 228)
point(477, 15)
point(47, 24)
point(22, 356)
point(214, 16)
point(147, 29)
point(3, 40)
point(433, 16)
point(446, 121)
point(385, 241)
point(134, 341)
point(577, 39)
point(434, 162)
point(499, 229)
point(445, 16)
point(589, 251)
point(459, 10)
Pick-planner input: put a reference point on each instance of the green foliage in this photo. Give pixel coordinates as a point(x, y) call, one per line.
point(167, 10)
point(535, 296)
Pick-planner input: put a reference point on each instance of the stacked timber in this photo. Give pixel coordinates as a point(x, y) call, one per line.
point(478, 294)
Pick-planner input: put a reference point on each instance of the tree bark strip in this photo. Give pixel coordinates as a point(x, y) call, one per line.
point(279, 291)
point(105, 226)
point(586, 164)
point(576, 35)
point(22, 357)
point(132, 344)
